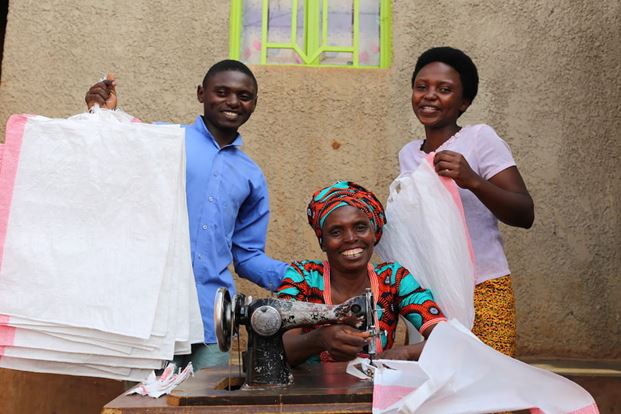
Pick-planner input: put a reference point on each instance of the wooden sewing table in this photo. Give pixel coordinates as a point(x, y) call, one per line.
point(321, 388)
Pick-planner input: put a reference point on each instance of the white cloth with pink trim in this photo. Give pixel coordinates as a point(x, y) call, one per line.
point(459, 374)
point(95, 270)
point(427, 233)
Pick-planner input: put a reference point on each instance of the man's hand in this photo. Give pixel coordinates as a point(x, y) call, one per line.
point(102, 93)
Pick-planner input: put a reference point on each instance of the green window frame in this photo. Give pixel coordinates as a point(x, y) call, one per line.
point(315, 34)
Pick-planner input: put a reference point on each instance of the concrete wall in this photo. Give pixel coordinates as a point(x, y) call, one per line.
point(549, 85)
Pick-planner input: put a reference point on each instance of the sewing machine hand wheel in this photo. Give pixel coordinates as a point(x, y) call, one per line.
point(223, 317)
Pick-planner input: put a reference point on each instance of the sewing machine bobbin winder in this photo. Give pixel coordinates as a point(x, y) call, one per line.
point(267, 319)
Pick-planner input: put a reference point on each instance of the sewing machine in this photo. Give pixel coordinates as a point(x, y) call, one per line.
point(267, 319)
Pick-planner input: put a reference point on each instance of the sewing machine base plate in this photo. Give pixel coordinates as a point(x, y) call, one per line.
point(313, 384)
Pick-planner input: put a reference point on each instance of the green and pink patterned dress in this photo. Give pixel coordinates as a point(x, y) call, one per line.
point(395, 289)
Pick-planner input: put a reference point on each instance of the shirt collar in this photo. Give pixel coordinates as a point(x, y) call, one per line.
point(200, 125)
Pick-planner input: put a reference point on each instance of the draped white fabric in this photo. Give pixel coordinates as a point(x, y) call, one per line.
point(459, 374)
point(427, 233)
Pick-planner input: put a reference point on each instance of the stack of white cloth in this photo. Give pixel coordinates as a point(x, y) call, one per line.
point(95, 270)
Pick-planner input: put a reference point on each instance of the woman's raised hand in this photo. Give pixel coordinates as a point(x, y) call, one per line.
point(453, 165)
point(504, 194)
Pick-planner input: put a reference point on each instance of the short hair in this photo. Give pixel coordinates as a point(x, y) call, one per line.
point(230, 64)
point(456, 59)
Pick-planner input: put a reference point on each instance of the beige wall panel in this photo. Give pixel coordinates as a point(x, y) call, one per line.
point(549, 85)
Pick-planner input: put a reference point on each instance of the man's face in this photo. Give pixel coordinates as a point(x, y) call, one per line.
point(228, 99)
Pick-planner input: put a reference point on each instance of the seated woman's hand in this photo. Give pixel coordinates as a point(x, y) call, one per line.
point(343, 342)
point(405, 352)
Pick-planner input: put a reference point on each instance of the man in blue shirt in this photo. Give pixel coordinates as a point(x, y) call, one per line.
point(227, 196)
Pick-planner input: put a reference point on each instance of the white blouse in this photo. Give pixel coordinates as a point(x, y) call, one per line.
point(487, 155)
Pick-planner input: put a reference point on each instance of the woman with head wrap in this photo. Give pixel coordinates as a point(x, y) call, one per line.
point(444, 84)
point(348, 221)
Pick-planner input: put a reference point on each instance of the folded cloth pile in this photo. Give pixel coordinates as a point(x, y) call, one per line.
point(95, 269)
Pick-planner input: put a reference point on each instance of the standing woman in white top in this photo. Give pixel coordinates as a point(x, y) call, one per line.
point(444, 84)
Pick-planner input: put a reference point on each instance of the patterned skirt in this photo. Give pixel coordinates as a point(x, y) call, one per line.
point(494, 307)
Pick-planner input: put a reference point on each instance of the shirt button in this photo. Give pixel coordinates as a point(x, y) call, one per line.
point(210, 199)
point(204, 227)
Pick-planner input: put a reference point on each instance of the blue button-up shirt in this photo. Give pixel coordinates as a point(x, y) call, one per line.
point(228, 210)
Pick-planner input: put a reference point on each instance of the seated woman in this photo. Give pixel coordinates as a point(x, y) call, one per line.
point(348, 221)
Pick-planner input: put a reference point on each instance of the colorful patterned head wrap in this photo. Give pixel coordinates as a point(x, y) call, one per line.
point(345, 193)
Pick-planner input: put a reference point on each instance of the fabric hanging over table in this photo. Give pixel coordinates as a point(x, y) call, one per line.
point(457, 373)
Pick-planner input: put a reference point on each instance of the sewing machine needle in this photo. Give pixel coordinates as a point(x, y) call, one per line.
point(239, 360)
point(230, 370)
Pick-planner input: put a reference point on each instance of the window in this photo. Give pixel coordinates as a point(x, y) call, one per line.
point(350, 33)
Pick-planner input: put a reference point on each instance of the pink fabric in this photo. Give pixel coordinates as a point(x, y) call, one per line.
point(589, 409)
point(8, 170)
point(450, 185)
point(9, 157)
point(386, 395)
point(7, 333)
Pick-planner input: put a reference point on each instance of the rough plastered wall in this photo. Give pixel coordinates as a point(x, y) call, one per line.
point(549, 85)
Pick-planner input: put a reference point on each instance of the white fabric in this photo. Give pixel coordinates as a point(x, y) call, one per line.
point(83, 358)
point(156, 387)
point(487, 155)
point(458, 374)
point(87, 370)
point(96, 277)
point(183, 305)
point(78, 235)
point(426, 233)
